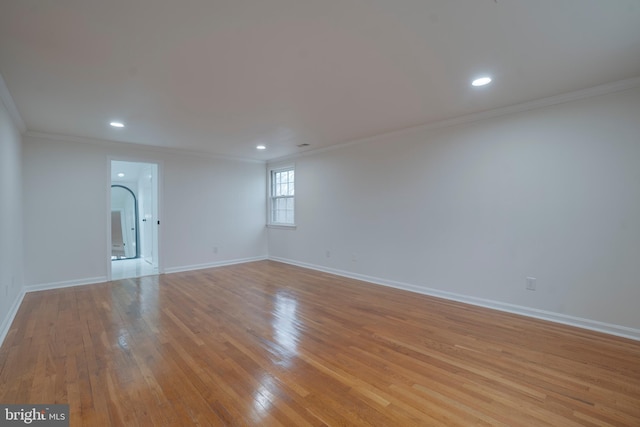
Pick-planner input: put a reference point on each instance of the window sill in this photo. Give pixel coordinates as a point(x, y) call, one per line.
point(282, 226)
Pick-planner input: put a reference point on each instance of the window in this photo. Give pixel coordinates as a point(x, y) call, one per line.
point(282, 196)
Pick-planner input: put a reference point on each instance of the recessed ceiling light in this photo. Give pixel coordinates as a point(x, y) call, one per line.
point(117, 124)
point(120, 174)
point(482, 81)
point(261, 147)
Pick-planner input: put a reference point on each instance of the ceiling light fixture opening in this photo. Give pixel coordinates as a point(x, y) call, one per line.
point(481, 81)
point(117, 124)
point(261, 147)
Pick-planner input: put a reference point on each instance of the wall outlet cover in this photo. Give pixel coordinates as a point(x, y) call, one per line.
point(531, 283)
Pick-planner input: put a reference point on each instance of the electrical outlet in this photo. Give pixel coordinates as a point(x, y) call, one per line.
point(215, 249)
point(531, 284)
point(327, 254)
point(354, 257)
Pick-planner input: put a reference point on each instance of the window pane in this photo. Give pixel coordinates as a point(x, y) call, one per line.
point(281, 204)
point(277, 216)
point(281, 197)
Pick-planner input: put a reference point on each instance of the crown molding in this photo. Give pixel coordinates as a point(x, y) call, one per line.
point(7, 100)
point(594, 91)
point(604, 89)
point(135, 146)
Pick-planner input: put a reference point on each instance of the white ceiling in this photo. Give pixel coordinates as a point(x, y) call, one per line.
point(132, 171)
point(221, 76)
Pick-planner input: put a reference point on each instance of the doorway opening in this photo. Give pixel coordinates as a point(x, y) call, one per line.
point(124, 220)
point(134, 221)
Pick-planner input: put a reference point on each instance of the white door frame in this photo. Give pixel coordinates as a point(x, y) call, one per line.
point(159, 201)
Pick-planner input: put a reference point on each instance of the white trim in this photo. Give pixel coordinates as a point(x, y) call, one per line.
point(8, 320)
point(11, 315)
point(137, 146)
point(593, 325)
point(617, 330)
point(270, 197)
point(7, 100)
point(213, 264)
point(159, 202)
point(66, 284)
point(482, 115)
point(109, 249)
point(283, 226)
point(469, 118)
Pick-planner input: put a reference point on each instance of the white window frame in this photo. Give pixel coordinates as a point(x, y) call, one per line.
point(272, 197)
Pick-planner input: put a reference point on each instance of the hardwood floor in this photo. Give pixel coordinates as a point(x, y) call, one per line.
point(265, 344)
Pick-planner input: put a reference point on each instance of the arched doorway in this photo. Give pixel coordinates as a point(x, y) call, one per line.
point(133, 234)
point(124, 223)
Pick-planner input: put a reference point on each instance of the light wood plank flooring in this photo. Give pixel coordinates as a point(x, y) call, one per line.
point(267, 344)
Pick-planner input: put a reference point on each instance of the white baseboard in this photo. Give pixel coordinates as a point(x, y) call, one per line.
point(8, 320)
point(102, 279)
point(66, 284)
point(213, 264)
point(621, 331)
point(612, 329)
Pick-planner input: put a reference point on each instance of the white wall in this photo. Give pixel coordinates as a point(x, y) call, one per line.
point(207, 202)
point(469, 210)
point(552, 193)
point(11, 266)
